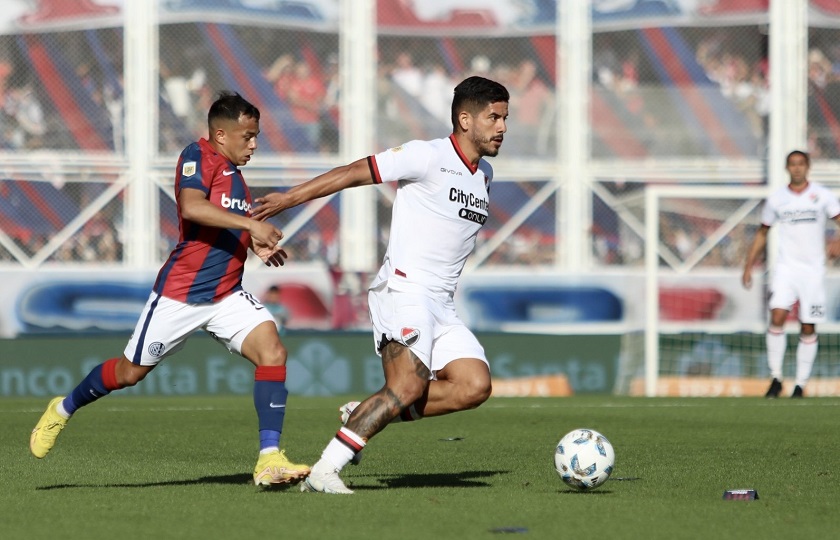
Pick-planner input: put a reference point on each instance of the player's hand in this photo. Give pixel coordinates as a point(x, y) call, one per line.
point(833, 249)
point(270, 205)
point(265, 234)
point(270, 255)
point(746, 279)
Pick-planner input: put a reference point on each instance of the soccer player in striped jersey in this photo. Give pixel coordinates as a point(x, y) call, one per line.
point(433, 363)
point(200, 287)
point(801, 210)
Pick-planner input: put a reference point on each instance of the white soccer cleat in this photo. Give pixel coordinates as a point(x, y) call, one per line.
point(324, 479)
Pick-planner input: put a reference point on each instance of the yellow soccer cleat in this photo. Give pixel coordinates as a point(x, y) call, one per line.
point(274, 468)
point(47, 429)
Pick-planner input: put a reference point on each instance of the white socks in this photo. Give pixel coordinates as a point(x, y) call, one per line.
point(776, 348)
point(342, 448)
point(806, 353)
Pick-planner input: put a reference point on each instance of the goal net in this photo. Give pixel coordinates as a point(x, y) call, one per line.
point(704, 333)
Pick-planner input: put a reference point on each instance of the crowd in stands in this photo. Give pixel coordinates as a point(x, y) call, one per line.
point(741, 80)
point(417, 79)
point(414, 86)
point(22, 119)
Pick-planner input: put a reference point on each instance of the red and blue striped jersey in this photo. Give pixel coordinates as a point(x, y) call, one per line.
point(207, 264)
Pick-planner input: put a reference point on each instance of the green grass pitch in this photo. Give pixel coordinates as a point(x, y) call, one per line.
point(141, 467)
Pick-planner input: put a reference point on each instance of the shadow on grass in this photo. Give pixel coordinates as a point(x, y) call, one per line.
point(459, 480)
point(585, 493)
point(227, 479)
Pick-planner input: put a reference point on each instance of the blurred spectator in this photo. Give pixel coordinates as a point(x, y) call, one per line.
point(273, 302)
point(480, 65)
point(605, 65)
point(89, 82)
point(437, 93)
point(182, 92)
point(176, 91)
point(280, 74)
point(23, 107)
point(112, 94)
point(5, 71)
point(330, 111)
point(760, 117)
point(531, 111)
point(98, 239)
point(629, 72)
point(819, 69)
point(7, 122)
point(306, 93)
point(407, 76)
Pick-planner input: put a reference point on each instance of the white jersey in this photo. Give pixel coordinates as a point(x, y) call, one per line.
point(802, 220)
point(441, 204)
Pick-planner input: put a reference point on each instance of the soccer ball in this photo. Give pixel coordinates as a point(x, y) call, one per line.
point(584, 459)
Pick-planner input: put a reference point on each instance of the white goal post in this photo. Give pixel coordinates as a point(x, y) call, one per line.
point(703, 332)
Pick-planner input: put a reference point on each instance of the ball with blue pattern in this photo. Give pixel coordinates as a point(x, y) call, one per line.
point(584, 459)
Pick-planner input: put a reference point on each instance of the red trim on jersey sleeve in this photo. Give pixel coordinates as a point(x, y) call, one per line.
point(374, 170)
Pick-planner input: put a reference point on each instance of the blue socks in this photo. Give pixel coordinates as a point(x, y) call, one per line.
point(270, 396)
point(99, 382)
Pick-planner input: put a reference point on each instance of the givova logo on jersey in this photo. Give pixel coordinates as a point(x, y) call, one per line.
point(235, 204)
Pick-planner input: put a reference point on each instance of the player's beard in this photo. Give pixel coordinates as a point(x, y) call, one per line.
point(485, 146)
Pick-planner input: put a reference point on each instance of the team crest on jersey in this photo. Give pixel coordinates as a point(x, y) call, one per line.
point(409, 336)
point(486, 182)
point(156, 349)
point(188, 169)
point(815, 198)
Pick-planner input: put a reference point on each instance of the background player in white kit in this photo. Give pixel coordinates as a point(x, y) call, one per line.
point(433, 364)
point(800, 209)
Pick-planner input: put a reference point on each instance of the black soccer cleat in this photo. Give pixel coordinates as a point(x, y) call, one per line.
point(797, 392)
point(775, 389)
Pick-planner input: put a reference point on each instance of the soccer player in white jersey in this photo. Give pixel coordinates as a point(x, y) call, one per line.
point(801, 210)
point(433, 364)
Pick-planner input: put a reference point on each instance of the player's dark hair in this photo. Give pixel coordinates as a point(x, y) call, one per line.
point(798, 153)
point(473, 94)
point(230, 106)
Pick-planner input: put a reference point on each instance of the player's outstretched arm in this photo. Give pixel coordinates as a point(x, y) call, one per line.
point(355, 174)
point(196, 208)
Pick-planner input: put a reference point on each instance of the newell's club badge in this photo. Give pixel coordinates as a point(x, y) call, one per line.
point(409, 336)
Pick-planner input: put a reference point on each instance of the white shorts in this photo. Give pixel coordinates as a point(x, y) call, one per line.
point(165, 325)
point(788, 286)
point(428, 326)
